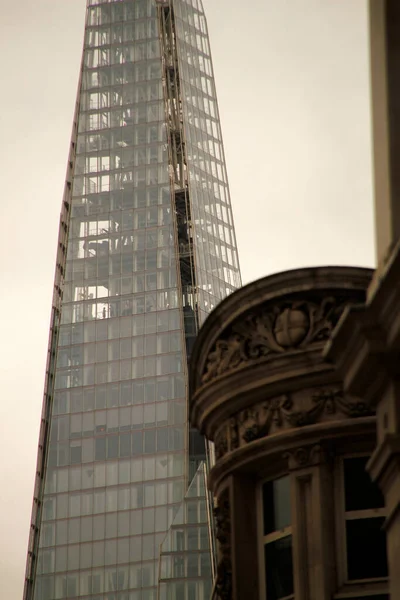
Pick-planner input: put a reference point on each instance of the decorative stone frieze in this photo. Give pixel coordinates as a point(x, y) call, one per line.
point(287, 411)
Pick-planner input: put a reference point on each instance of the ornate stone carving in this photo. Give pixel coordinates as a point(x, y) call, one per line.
point(223, 586)
point(227, 438)
point(299, 409)
point(222, 521)
point(285, 326)
point(233, 434)
point(221, 443)
point(225, 356)
point(333, 401)
point(305, 456)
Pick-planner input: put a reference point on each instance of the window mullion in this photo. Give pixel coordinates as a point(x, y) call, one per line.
point(277, 535)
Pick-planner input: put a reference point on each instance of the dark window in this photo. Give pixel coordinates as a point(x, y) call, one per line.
point(364, 519)
point(366, 548)
point(276, 505)
point(360, 491)
point(279, 568)
point(196, 443)
point(277, 538)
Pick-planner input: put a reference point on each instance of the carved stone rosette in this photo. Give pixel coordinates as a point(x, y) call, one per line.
point(305, 456)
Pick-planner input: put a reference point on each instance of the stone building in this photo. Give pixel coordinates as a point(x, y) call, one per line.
point(297, 514)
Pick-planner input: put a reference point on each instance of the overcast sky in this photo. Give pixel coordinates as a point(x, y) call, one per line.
point(292, 82)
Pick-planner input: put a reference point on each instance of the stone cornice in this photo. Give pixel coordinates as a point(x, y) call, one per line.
point(260, 381)
point(268, 456)
point(285, 412)
point(365, 345)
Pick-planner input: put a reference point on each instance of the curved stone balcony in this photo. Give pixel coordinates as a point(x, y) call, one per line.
point(262, 391)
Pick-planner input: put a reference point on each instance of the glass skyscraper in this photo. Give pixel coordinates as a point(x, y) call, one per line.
point(146, 249)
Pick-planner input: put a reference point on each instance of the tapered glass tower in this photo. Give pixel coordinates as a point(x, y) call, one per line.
point(146, 249)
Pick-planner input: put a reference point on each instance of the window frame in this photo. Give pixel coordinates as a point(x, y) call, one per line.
point(342, 516)
point(263, 540)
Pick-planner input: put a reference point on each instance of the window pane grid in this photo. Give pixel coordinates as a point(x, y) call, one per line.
point(121, 476)
point(277, 539)
point(364, 516)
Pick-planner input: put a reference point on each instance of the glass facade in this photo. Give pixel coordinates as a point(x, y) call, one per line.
point(185, 561)
point(116, 436)
point(215, 244)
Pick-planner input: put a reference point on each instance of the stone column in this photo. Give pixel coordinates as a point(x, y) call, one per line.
point(245, 581)
point(384, 466)
point(384, 25)
point(312, 525)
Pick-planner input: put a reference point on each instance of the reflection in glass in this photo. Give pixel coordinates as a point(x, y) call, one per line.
point(276, 505)
point(117, 469)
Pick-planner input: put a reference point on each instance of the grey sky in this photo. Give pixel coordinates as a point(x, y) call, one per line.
point(292, 81)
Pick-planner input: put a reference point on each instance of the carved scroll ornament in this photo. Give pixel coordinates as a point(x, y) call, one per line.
point(276, 330)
